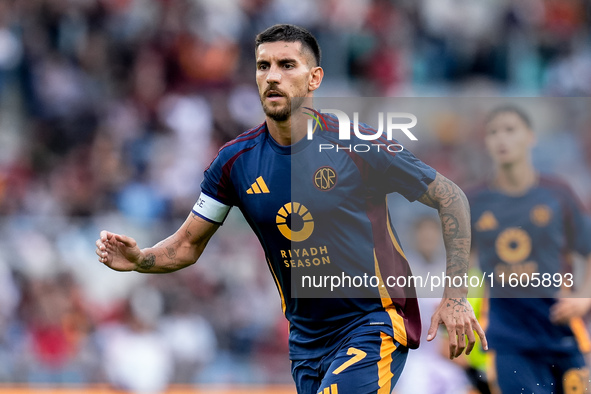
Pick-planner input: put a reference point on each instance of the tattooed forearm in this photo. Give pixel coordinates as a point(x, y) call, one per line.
point(454, 212)
point(148, 262)
point(169, 245)
point(170, 252)
point(179, 250)
point(458, 254)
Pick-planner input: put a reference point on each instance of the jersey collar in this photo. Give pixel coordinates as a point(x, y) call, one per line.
point(287, 149)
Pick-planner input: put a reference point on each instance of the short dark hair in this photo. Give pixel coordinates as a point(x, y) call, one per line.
point(290, 33)
point(512, 109)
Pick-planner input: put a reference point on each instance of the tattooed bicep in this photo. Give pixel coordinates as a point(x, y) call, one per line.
point(426, 198)
point(197, 229)
point(441, 193)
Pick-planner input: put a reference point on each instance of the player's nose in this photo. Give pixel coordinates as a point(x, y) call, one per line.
point(273, 76)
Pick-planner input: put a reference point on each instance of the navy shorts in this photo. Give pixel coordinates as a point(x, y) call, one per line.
point(524, 373)
point(369, 361)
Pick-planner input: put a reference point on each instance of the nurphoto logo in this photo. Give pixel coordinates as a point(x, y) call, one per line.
point(392, 123)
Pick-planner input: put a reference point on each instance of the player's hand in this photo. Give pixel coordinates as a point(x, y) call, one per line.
point(118, 252)
point(566, 308)
point(459, 320)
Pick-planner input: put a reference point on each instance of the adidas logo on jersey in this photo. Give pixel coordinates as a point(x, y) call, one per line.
point(258, 187)
point(330, 390)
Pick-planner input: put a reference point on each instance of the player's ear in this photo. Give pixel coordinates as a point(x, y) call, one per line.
point(316, 75)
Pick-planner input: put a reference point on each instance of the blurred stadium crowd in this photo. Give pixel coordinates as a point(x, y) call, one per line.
point(111, 109)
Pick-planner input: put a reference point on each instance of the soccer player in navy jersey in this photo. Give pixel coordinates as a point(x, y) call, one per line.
point(323, 211)
point(527, 225)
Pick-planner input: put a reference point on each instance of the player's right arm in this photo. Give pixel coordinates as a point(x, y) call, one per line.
point(184, 247)
point(181, 249)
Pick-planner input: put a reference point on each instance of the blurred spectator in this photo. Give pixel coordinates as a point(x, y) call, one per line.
point(58, 347)
point(136, 356)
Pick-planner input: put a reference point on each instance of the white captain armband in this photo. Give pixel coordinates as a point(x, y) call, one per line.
point(210, 209)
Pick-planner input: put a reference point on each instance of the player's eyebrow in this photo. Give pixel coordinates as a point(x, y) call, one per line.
point(287, 60)
point(280, 61)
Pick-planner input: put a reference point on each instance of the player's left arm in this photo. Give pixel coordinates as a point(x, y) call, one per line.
point(574, 304)
point(454, 311)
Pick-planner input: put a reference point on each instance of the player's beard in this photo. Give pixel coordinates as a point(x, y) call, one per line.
point(282, 114)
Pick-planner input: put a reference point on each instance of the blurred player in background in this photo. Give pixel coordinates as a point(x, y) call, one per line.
point(337, 345)
point(528, 225)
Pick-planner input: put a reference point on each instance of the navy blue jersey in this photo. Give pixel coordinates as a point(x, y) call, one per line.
point(321, 210)
point(532, 233)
